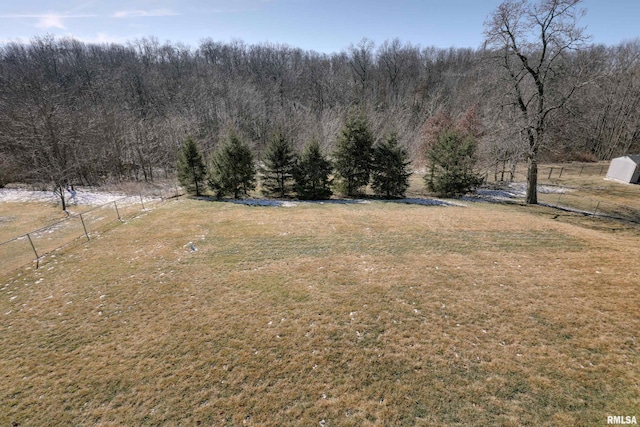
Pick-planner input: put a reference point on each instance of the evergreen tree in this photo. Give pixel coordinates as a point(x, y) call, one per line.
point(279, 163)
point(353, 156)
point(390, 174)
point(191, 167)
point(451, 161)
point(233, 170)
point(312, 174)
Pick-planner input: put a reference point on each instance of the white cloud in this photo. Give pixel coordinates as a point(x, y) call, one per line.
point(48, 20)
point(51, 21)
point(144, 13)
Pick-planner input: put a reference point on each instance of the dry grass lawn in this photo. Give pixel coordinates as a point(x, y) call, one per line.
point(370, 314)
point(17, 218)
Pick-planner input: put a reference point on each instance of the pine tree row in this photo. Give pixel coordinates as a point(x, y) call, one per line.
point(309, 176)
point(356, 163)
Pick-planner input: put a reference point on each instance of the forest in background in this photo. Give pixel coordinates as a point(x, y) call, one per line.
point(91, 113)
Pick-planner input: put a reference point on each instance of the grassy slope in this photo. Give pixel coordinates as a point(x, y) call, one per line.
point(371, 314)
point(14, 220)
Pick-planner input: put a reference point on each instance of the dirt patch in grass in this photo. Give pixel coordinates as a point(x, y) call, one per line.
point(362, 314)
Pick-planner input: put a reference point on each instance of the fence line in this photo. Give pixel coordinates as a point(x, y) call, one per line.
point(35, 245)
point(593, 207)
point(546, 172)
point(555, 174)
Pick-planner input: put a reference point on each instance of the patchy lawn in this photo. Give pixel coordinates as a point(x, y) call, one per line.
point(328, 314)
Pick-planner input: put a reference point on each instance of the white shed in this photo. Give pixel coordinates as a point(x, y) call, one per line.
point(625, 169)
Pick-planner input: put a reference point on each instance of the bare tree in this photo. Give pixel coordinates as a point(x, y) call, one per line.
point(398, 64)
point(361, 60)
point(532, 42)
point(612, 107)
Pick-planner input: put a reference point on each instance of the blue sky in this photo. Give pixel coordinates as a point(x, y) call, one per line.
point(320, 25)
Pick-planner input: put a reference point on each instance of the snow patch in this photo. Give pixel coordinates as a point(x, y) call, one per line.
point(513, 190)
point(83, 197)
point(263, 202)
point(425, 202)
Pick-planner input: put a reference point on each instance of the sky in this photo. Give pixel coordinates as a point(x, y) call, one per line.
point(325, 26)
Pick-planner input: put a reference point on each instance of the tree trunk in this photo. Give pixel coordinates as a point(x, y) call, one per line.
point(195, 178)
point(532, 180)
point(60, 191)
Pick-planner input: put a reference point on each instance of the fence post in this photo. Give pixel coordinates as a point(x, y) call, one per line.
point(561, 169)
point(117, 211)
point(141, 201)
point(558, 201)
point(84, 227)
point(550, 172)
point(596, 210)
point(34, 251)
point(581, 168)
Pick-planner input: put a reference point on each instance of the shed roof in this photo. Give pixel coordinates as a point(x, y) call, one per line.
point(635, 158)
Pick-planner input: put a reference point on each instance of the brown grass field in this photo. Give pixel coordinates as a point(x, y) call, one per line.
point(17, 218)
point(369, 314)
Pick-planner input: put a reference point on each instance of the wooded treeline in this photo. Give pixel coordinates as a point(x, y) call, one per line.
point(86, 113)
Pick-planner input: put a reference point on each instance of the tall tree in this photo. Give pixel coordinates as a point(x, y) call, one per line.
point(232, 171)
point(313, 174)
point(353, 156)
point(361, 60)
point(390, 174)
point(191, 167)
point(279, 163)
point(531, 42)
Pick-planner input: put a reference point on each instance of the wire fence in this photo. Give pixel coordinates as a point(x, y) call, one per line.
point(590, 206)
point(548, 173)
point(36, 245)
point(564, 179)
point(574, 170)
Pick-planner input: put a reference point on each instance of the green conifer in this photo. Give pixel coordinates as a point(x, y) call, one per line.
point(451, 161)
point(390, 174)
point(313, 174)
point(191, 167)
point(232, 169)
point(353, 156)
point(279, 164)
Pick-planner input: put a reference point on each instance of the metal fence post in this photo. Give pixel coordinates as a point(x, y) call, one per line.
point(596, 210)
point(561, 169)
point(117, 211)
point(550, 172)
point(84, 227)
point(141, 201)
point(34, 251)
